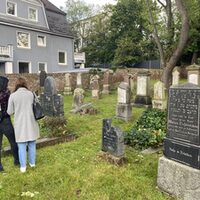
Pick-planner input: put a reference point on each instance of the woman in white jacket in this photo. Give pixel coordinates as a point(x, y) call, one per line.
point(26, 127)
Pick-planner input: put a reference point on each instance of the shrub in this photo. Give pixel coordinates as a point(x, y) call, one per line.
point(149, 130)
point(53, 126)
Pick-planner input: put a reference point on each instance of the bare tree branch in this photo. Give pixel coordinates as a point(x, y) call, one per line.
point(155, 35)
point(162, 4)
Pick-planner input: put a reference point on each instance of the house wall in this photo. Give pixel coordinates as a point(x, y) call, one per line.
point(35, 54)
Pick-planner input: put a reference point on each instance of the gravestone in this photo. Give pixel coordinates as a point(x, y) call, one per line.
point(124, 108)
point(143, 89)
point(43, 76)
point(112, 139)
point(94, 81)
point(177, 170)
point(159, 99)
point(78, 98)
point(175, 76)
point(107, 81)
point(194, 74)
point(129, 78)
point(79, 80)
point(68, 88)
point(52, 103)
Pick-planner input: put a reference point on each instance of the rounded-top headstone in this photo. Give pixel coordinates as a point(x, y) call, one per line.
point(50, 86)
point(43, 76)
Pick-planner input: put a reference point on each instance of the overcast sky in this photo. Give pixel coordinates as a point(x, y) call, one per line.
point(59, 3)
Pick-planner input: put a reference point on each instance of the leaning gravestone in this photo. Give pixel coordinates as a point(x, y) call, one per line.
point(124, 108)
point(52, 103)
point(78, 98)
point(178, 170)
point(112, 139)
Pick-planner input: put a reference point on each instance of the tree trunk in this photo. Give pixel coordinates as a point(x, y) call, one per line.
point(184, 36)
point(194, 58)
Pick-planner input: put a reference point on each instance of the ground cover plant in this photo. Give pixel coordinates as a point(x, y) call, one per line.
point(149, 130)
point(73, 170)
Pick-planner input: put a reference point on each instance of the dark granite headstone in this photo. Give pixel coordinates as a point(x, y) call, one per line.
point(112, 139)
point(43, 76)
point(51, 102)
point(182, 142)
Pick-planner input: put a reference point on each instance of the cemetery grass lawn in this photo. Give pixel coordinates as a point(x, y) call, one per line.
point(73, 170)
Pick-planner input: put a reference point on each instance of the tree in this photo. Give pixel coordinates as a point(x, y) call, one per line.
point(169, 60)
point(77, 12)
point(129, 33)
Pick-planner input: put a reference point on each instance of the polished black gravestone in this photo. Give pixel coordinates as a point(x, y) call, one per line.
point(52, 103)
point(112, 139)
point(182, 142)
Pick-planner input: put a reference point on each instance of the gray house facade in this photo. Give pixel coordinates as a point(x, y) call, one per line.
point(34, 36)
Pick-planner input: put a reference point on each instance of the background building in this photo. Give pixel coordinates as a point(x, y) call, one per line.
point(35, 36)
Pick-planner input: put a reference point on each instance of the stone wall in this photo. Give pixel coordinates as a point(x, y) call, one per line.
point(117, 77)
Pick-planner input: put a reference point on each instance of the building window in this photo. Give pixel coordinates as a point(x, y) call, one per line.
point(12, 8)
point(41, 40)
point(23, 67)
point(23, 40)
point(62, 58)
point(42, 67)
point(32, 14)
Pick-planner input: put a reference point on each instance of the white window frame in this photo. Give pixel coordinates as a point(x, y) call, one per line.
point(15, 7)
point(29, 40)
point(45, 41)
point(61, 51)
point(29, 65)
point(45, 66)
point(34, 20)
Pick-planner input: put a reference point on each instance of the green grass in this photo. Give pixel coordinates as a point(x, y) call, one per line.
point(74, 171)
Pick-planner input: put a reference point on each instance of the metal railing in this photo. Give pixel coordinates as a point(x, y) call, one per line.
point(6, 51)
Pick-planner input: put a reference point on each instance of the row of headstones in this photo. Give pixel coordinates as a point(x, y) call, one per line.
point(143, 96)
point(94, 82)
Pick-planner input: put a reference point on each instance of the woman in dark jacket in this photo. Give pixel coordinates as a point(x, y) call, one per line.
point(6, 127)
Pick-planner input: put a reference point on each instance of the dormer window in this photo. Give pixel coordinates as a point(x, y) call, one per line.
point(32, 14)
point(11, 8)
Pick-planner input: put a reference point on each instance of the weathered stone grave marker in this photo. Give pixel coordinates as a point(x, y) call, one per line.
point(68, 88)
point(194, 74)
point(124, 108)
point(159, 99)
point(175, 76)
point(79, 80)
point(52, 103)
point(43, 76)
point(143, 89)
point(107, 81)
point(94, 81)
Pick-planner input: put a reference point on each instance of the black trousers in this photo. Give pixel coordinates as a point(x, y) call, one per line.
point(7, 129)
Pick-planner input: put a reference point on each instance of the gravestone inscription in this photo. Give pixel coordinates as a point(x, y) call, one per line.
point(112, 139)
point(182, 142)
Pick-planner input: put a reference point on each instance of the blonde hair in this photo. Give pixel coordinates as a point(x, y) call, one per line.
point(20, 82)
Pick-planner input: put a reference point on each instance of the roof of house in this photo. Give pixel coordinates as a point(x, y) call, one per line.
point(56, 19)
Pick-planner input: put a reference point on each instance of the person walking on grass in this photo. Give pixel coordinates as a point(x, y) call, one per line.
point(6, 127)
point(26, 127)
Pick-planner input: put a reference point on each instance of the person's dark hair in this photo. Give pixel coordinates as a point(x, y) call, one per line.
point(20, 82)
